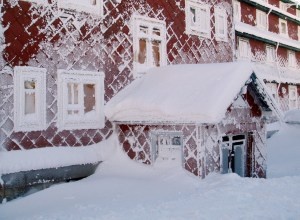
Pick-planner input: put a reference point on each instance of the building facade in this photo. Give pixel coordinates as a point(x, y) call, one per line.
point(268, 33)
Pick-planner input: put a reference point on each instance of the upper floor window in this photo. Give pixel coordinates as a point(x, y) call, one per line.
point(270, 54)
point(149, 43)
point(261, 20)
point(283, 6)
point(80, 100)
point(283, 29)
point(237, 10)
point(298, 13)
point(221, 24)
point(197, 18)
point(293, 97)
point(244, 50)
point(298, 33)
point(292, 62)
point(89, 6)
point(29, 98)
point(273, 89)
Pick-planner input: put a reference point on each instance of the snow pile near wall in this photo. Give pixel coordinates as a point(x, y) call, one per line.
point(292, 116)
point(53, 157)
point(181, 93)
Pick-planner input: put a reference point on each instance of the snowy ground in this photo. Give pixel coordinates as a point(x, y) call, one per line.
point(123, 189)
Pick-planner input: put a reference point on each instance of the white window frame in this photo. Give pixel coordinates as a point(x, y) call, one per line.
point(96, 9)
point(37, 120)
point(82, 121)
point(293, 97)
point(292, 62)
point(223, 14)
point(270, 54)
point(283, 6)
point(151, 23)
point(298, 13)
point(273, 90)
point(237, 11)
point(298, 33)
point(281, 21)
point(198, 28)
point(244, 53)
point(261, 20)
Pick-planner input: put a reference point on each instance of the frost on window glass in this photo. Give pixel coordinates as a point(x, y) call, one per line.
point(142, 55)
point(193, 16)
point(89, 98)
point(156, 53)
point(29, 87)
point(73, 99)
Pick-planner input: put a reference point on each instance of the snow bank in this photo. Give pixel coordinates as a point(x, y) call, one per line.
point(292, 116)
point(181, 93)
point(53, 157)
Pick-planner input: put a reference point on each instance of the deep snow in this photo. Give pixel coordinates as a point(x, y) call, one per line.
point(124, 189)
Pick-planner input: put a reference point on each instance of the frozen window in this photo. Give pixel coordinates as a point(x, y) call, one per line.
point(261, 20)
point(149, 43)
point(29, 98)
point(197, 19)
point(270, 54)
point(283, 6)
point(244, 49)
point(293, 97)
point(273, 90)
point(89, 6)
point(292, 59)
point(221, 24)
point(283, 27)
point(80, 100)
point(237, 10)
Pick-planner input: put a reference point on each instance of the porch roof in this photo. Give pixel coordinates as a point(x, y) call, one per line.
point(190, 93)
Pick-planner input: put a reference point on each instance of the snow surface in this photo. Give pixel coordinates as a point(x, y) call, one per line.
point(168, 93)
point(124, 189)
point(292, 116)
point(52, 157)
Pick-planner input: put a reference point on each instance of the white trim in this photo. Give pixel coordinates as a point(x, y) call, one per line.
point(281, 32)
point(37, 120)
point(292, 61)
point(82, 120)
point(270, 54)
point(237, 11)
point(96, 9)
point(244, 49)
point(221, 20)
point(273, 90)
point(150, 24)
point(201, 24)
point(293, 97)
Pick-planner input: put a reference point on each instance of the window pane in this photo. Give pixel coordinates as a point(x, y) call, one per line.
point(29, 84)
point(73, 93)
point(142, 51)
point(144, 29)
point(156, 53)
point(283, 28)
point(89, 98)
point(29, 103)
point(156, 31)
point(193, 16)
point(221, 24)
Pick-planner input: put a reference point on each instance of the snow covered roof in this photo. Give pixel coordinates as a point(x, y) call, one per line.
point(271, 73)
point(199, 93)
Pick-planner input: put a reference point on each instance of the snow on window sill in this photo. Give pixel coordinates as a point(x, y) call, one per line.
point(81, 6)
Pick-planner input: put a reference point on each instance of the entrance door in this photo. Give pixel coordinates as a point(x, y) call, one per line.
point(233, 154)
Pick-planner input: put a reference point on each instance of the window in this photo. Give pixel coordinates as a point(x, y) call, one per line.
point(221, 24)
point(273, 90)
point(283, 27)
point(29, 98)
point(237, 10)
point(149, 43)
point(283, 6)
point(261, 20)
point(293, 97)
point(89, 6)
point(292, 62)
point(244, 49)
point(298, 13)
point(298, 33)
point(80, 100)
point(197, 19)
point(270, 54)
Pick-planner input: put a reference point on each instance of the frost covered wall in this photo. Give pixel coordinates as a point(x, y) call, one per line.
point(49, 35)
point(202, 143)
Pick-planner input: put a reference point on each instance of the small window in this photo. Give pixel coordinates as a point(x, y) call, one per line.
point(221, 24)
point(273, 90)
point(298, 33)
point(80, 100)
point(149, 43)
point(292, 62)
point(261, 20)
point(283, 29)
point(197, 19)
point(29, 98)
point(270, 54)
point(298, 13)
point(237, 10)
point(293, 97)
point(89, 6)
point(283, 6)
point(244, 51)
